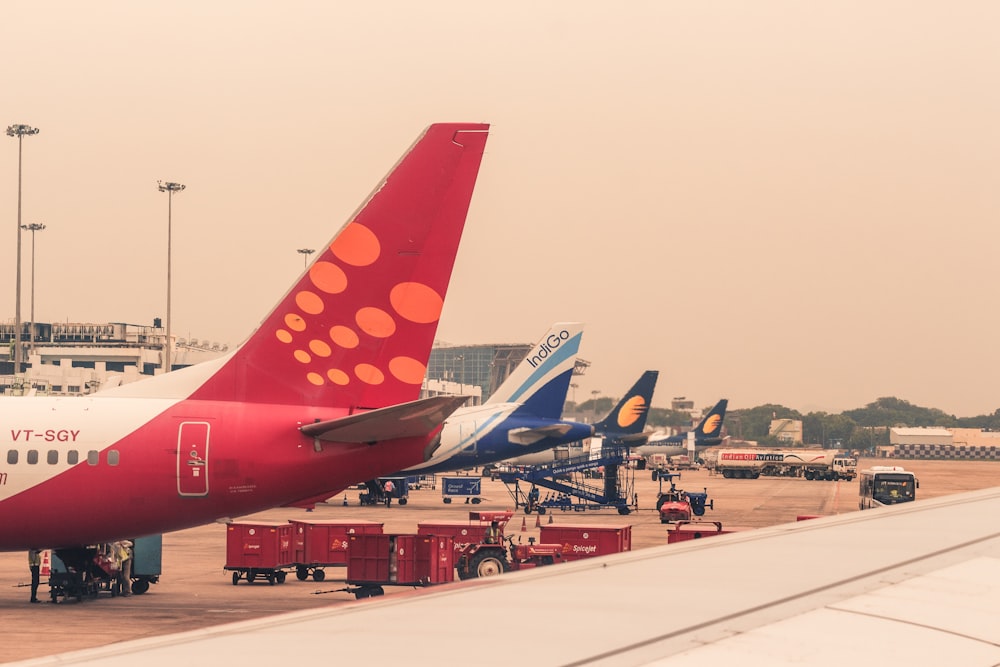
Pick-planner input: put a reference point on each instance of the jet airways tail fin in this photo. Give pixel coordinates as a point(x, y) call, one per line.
point(629, 416)
point(711, 425)
point(541, 381)
point(356, 329)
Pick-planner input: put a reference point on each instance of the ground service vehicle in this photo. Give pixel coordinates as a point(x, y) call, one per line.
point(487, 558)
point(886, 485)
point(752, 462)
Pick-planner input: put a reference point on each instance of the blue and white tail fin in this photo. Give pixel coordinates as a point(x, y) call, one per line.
point(629, 416)
point(540, 382)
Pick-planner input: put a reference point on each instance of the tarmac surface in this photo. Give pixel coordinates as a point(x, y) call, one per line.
point(195, 590)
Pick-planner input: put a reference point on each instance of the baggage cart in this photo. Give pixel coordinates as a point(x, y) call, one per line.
point(259, 551)
point(320, 544)
point(375, 561)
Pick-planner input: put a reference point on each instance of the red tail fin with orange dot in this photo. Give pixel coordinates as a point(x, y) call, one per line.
point(357, 329)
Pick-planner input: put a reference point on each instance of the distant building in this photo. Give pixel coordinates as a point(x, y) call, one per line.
point(942, 443)
point(74, 358)
point(788, 431)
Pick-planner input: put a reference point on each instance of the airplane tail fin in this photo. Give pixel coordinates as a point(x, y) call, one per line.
point(711, 425)
point(629, 416)
point(357, 328)
point(541, 381)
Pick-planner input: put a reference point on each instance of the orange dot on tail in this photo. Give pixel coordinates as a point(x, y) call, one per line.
point(369, 374)
point(356, 245)
point(328, 277)
point(416, 302)
point(302, 356)
point(295, 322)
point(309, 303)
point(319, 348)
point(375, 322)
point(407, 369)
point(338, 376)
point(283, 336)
point(344, 337)
point(315, 378)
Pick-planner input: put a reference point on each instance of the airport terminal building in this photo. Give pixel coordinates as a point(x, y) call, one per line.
point(942, 443)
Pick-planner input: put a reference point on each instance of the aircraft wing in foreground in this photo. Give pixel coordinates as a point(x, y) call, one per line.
point(915, 584)
point(323, 393)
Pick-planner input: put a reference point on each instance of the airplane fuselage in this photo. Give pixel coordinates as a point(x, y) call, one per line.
point(84, 470)
point(489, 433)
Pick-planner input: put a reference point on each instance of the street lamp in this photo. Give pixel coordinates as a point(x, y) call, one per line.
point(33, 227)
point(594, 393)
point(170, 189)
point(305, 255)
point(20, 131)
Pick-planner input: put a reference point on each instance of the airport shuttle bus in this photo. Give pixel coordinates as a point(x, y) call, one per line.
point(886, 485)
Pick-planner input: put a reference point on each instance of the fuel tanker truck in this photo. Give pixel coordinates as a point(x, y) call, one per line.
point(752, 462)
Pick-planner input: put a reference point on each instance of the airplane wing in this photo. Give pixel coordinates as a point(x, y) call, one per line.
point(529, 436)
point(398, 421)
point(915, 584)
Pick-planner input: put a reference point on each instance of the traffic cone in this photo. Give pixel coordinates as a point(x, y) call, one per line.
point(538, 521)
point(550, 518)
point(524, 524)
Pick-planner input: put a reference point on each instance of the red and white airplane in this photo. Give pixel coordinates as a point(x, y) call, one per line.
point(323, 394)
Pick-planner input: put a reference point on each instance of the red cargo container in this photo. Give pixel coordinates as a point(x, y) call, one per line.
point(376, 560)
point(319, 544)
point(587, 541)
point(259, 550)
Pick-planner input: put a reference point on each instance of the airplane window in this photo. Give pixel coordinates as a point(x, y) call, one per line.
point(93, 457)
point(53, 456)
point(12, 456)
point(113, 457)
point(32, 456)
point(72, 457)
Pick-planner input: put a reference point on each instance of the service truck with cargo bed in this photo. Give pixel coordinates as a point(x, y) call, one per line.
point(752, 462)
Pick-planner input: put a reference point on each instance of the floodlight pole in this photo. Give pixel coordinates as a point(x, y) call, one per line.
point(170, 189)
point(305, 255)
point(20, 131)
point(33, 227)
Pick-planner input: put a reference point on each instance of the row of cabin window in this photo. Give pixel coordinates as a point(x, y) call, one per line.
point(52, 457)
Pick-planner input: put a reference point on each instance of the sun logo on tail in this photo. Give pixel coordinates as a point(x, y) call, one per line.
point(712, 424)
point(631, 411)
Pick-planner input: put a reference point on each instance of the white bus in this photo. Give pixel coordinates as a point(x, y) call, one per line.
point(886, 485)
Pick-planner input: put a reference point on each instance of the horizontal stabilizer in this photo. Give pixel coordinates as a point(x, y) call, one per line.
point(529, 436)
point(634, 439)
point(408, 420)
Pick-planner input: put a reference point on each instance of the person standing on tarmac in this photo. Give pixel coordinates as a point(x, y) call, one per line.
point(34, 564)
point(124, 554)
point(388, 488)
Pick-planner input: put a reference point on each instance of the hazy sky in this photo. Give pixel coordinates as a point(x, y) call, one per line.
point(789, 202)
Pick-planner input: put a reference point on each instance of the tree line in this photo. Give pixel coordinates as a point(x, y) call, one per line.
point(861, 429)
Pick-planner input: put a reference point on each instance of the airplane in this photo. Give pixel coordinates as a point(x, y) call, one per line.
point(323, 393)
point(523, 415)
point(706, 434)
point(626, 421)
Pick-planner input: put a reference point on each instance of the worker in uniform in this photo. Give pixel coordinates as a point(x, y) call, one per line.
point(388, 488)
point(492, 535)
point(34, 564)
point(124, 554)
